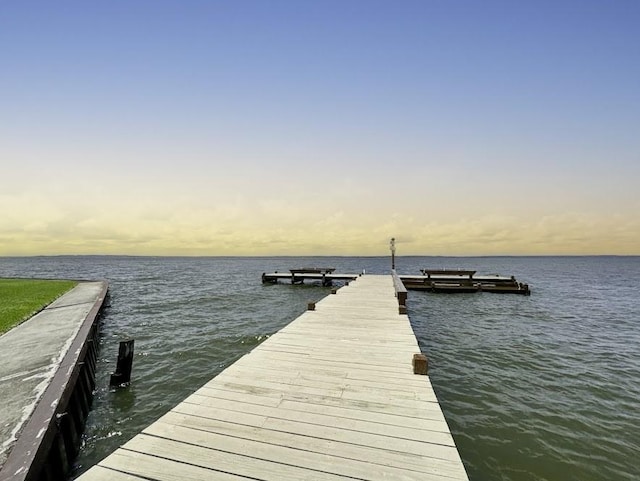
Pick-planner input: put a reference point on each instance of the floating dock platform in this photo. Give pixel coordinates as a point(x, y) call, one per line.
point(462, 281)
point(332, 396)
point(325, 275)
point(432, 280)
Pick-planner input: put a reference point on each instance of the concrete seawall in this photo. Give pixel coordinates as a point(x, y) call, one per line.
point(47, 377)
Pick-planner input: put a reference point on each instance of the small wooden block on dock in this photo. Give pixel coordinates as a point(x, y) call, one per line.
point(420, 364)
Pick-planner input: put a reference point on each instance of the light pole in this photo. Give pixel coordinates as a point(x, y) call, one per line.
point(392, 246)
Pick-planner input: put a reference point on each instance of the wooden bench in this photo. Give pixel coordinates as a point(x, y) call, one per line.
point(447, 272)
point(323, 271)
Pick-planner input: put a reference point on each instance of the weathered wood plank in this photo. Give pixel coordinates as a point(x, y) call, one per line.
point(338, 449)
point(154, 467)
point(222, 461)
point(421, 419)
point(434, 431)
point(305, 362)
point(327, 433)
point(99, 473)
point(306, 379)
point(424, 411)
point(408, 382)
point(286, 455)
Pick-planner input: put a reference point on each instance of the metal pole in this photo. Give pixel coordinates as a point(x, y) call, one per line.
point(393, 252)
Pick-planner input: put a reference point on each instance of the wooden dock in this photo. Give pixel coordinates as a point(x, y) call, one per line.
point(325, 275)
point(463, 281)
point(331, 396)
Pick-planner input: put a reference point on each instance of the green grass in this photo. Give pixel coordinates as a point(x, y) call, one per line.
point(21, 298)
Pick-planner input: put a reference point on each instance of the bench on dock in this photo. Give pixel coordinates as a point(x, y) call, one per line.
point(447, 272)
point(313, 270)
point(322, 271)
point(326, 275)
point(458, 280)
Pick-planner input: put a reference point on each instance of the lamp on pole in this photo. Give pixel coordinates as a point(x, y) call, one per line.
point(392, 246)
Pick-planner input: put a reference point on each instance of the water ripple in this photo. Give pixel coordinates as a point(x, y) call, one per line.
point(542, 388)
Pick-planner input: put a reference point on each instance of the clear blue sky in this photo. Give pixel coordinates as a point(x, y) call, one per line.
point(505, 127)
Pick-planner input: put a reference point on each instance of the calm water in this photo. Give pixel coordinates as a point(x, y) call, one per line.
point(545, 387)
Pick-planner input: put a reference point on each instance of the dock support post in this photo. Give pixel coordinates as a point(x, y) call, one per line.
point(311, 306)
point(125, 364)
point(420, 364)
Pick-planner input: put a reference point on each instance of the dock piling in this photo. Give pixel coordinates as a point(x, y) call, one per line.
point(125, 364)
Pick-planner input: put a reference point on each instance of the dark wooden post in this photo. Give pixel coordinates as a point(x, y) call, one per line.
point(125, 363)
point(420, 364)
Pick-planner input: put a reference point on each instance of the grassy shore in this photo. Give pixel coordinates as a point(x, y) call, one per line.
point(21, 298)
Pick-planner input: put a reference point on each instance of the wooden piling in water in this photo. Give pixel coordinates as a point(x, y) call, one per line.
point(125, 364)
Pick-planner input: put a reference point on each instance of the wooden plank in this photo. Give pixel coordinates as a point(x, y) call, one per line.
point(337, 449)
point(256, 386)
point(304, 379)
point(306, 362)
point(286, 455)
point(346, 349)
point(319, 359)
point(100, 473)
point(366, 339)
point(428, 416)
point(225, 462)
point(436, 432)
point(408, 381)
point(424, 411)
point(347, 354)
point(327, 433)
point(420, 419)
point(157, 468)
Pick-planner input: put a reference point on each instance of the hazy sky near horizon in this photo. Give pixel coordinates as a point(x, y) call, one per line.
point(326, 127)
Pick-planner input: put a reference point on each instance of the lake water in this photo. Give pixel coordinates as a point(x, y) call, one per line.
point(545, 387)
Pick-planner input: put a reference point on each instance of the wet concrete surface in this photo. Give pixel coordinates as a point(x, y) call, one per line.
point(31, 353)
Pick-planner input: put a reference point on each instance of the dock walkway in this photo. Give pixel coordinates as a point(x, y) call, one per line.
point(331, 396)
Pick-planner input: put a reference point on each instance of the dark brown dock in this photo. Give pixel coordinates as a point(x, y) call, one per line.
point(463, 281)
point(325, 275)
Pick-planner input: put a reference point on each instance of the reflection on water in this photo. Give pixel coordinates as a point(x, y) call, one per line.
point(534, 388)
